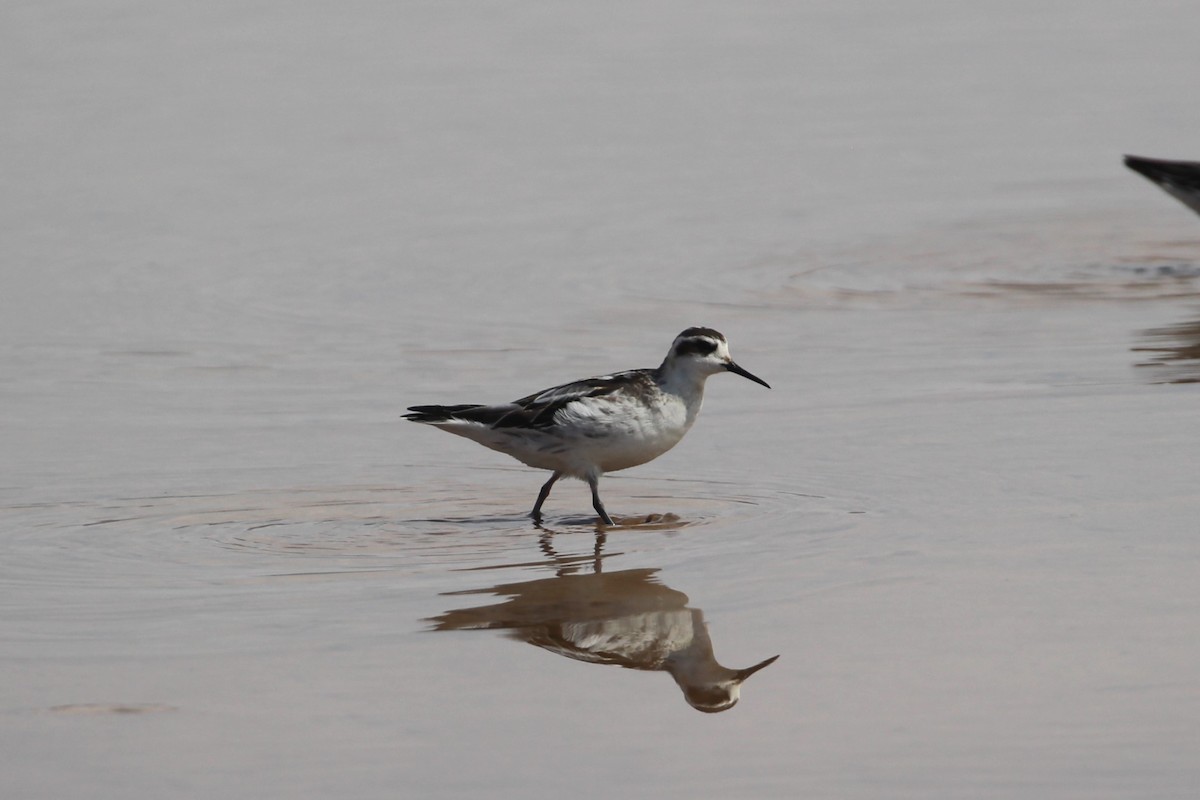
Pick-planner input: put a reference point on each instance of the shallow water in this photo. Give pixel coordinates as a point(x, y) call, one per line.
point(239, 241)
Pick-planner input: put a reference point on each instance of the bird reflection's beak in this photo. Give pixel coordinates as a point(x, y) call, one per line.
point(736, 370)
point(742, 674)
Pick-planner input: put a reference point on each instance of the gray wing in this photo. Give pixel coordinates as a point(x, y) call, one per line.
point(538, 409)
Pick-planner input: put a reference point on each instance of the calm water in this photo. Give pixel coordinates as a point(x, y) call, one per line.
point(238, 240)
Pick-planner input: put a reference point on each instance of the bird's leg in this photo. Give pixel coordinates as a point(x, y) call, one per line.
point(542, 495)
point(598, 552)
point(594, 482)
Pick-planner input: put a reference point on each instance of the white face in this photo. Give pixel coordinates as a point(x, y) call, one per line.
point(704, 353)
point(707, 353)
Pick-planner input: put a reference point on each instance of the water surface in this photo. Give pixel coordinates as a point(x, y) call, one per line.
point(238, 241)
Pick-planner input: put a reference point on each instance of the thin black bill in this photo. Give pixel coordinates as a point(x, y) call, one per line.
point(736, 370)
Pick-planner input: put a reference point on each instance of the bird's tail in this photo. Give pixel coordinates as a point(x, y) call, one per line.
point(435, 414)
point(1183, 174)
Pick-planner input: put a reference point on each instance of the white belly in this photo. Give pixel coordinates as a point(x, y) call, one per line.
point(597, 437)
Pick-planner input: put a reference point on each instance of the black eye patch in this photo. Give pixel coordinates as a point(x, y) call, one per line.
point(697, 346)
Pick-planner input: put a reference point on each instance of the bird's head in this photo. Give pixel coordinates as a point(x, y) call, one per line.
point(705, 351)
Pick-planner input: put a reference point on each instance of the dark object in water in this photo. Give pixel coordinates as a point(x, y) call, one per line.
point(1180, 179)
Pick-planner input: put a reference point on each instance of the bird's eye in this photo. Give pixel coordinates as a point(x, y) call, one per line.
point(698, 346)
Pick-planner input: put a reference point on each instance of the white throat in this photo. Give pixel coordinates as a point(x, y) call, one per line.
point(686, 381)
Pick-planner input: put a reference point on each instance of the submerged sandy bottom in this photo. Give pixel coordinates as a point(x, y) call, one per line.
point(964, 518)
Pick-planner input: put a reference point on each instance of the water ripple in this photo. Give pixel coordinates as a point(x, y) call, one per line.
point(1024, 262)
point(182, 540)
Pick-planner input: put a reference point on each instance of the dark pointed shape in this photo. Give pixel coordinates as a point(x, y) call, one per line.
point(736, 370)
point(742, 674)
point(1180, 179)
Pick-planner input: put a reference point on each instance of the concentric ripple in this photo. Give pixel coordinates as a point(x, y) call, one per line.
point(439, 524)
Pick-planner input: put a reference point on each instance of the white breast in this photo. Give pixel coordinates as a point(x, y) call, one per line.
point(617, 433)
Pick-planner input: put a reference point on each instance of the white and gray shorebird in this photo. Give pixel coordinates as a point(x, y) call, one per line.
point(597, 425)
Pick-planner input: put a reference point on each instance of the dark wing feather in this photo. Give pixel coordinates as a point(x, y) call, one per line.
point(538, 409)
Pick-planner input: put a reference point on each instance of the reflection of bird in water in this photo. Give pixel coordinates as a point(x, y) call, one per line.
point(1176, 351)
point(625, 618)
point(1180, 179)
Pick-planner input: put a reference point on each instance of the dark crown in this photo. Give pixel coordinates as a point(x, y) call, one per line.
point(709, 332)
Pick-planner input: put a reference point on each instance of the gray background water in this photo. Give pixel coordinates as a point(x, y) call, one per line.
point(237, 239)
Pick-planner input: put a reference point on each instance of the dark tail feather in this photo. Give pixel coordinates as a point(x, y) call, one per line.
point(1180, 179)
point(1182, 176)
point(436, 413)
